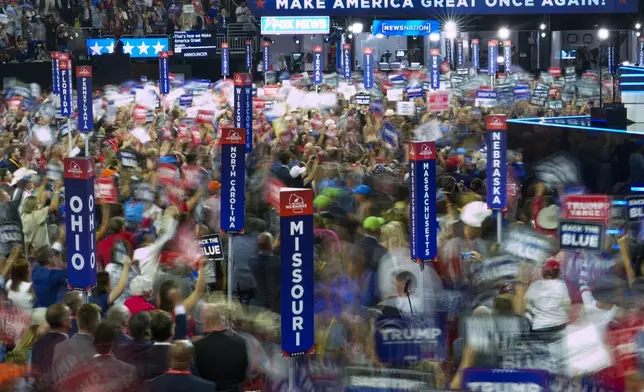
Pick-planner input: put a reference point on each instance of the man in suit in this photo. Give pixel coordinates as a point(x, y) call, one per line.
point(221, 356)
point(102, 372)
point(179, 378)
point(118, 315)
point(139, 326)
point(78, 349)
point(265, 267)
point(59, 318)
point(153, 362)
point(283, 171)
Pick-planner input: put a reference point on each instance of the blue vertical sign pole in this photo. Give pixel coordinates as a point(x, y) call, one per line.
point(164, 77)
point(435, 71)
point(612, 68)
point(85, 101)
point(65, 92)
point(317, 66)
point(459, 53)
point(367, 66)
point(422, 206)
point(296, 234)
point(640, 52)
point(266, 58)
point(492, 62)
point(249, 56)
point(448, 51)
point(233, 185)
point(225, 60)
point(79, 223)
point(496, 139)
point(346, 61)
point(243, 110)
point(55, 80)
point(476, 54)
point(507, 56)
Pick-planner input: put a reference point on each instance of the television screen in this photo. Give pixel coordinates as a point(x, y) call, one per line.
point(568, 54)
point(195, 44)
point(401, 53)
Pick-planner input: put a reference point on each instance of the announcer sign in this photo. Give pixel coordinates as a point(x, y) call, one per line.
point(79, 223)
point(233, 180)
point(85, 100)
point(422, 183)
point(496, 126)
point(296, 232)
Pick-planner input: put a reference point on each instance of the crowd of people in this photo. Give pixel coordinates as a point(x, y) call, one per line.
point(158, 317)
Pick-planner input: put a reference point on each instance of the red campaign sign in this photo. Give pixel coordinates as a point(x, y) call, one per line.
point(587, 207)
point(554, 71)
point(205, 116)
point(553, 92)
point(271, 90)
point(272, 195)
point(15, 103)
point(13, 323)
point(105, 190)
point(192, 175)
point(622, 342)
point(139, 113)
point(295, 202)
point(438, 101)
point(167, 174)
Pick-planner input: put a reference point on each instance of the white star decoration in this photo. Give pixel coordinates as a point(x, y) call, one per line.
point(158, 47)
point(143, 48)
point(110, 48)
point(96, 49)
point(127, 48)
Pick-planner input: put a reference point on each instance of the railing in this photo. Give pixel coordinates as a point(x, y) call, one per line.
point(238, 34)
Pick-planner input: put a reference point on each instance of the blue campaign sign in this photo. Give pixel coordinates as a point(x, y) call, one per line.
point(79, 223)
point(400, 341)
point(496, 141)
point(405, 27)
point(55, 80)
point(85, 102)
point(185, 100)
point(476, 53)
point(346, 61)
point(413, 8)
point(581, 236)
point(243, 106)
point(492, 55)
point(507, 56)
point(460, 60)
point(414, 92)
point(65, 76)
point(249, 55)
point(296, 233)
point(422, 206)
point(635, 208)
point(225, 59)
point(266, 56)
point(296, 25)
point(434, 69)
point(480, 380)
point(317, 64)
point(367, 66)
point(164, 73)
point(612, 63)
point(233, 180)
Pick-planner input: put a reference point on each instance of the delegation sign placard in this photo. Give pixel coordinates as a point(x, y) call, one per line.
point(225, 59)
point(55, 79)
point(422, 208)
point(85, 101)
point(249, 55)
point(79, 223)
point(164, 73)
point(367, 62)
point(233, 180)
point(243, 109)
point(476, 64)
point(346, 61)
point(296, 233)
point(65, 92)
point(496, 140)
point(434, 70)
point(317, 64)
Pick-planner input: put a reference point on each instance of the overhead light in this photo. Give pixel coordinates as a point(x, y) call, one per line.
point(542, 26)
point(504, 33)
point(638, 26)
point(638, 34)
point(297, 41)
point(500, 59)
point(350, 36)
point(380, 35)
point(356, 28)
point(414, 37)
point(451, 29)
point(434, 37)
point(327, 38)
point(543, 35)
point(602, 34)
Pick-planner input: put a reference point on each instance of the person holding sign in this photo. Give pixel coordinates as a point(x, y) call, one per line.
point(547, 302)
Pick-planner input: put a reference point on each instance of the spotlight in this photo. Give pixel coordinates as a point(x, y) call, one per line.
point(272, 41)
point(638, 26)
point(504, 33)
point(350, 36)
point(638, 34)
point(414, 37)
point(500, 59)
point(297, 41)
point(356, 28)
point(602, 34)
point(451, 29)
point(434, 37)
point(543, 35)
point(326, 38)
point(542, 26)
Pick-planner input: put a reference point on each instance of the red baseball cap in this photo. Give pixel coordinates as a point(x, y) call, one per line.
point(551, 265)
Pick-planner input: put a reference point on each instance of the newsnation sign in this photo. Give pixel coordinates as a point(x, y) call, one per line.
point(411, 8)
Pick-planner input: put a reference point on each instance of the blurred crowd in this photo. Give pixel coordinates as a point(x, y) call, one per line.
point(158, 317)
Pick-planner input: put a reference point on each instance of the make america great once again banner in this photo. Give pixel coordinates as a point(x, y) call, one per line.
point(413, 7)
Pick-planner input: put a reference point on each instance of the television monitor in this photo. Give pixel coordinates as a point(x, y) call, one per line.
point(568, 54)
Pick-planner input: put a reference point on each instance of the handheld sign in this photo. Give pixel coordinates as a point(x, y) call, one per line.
point(85, 100)
point(211, 247)
point(317, 64)
point(492, 55)
point(266, 57)
point(233, 179)
point(225, 59)
point(459, 53)
point(249, 56)
point(579, 235)
point(106, 191)
point(587, 207)
point(476, 63)
point(496, 140)
point(505, 380)
point(434, 71)
point(367, 61)
point(296, 233)
point(164, 73)
point(243, 111)
point(55, 80)
point(422, 211)
point(346, 61)
point(399, 341)
point(507, 56)
point(79, 223)
point(65, 75)
point(635, 208)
